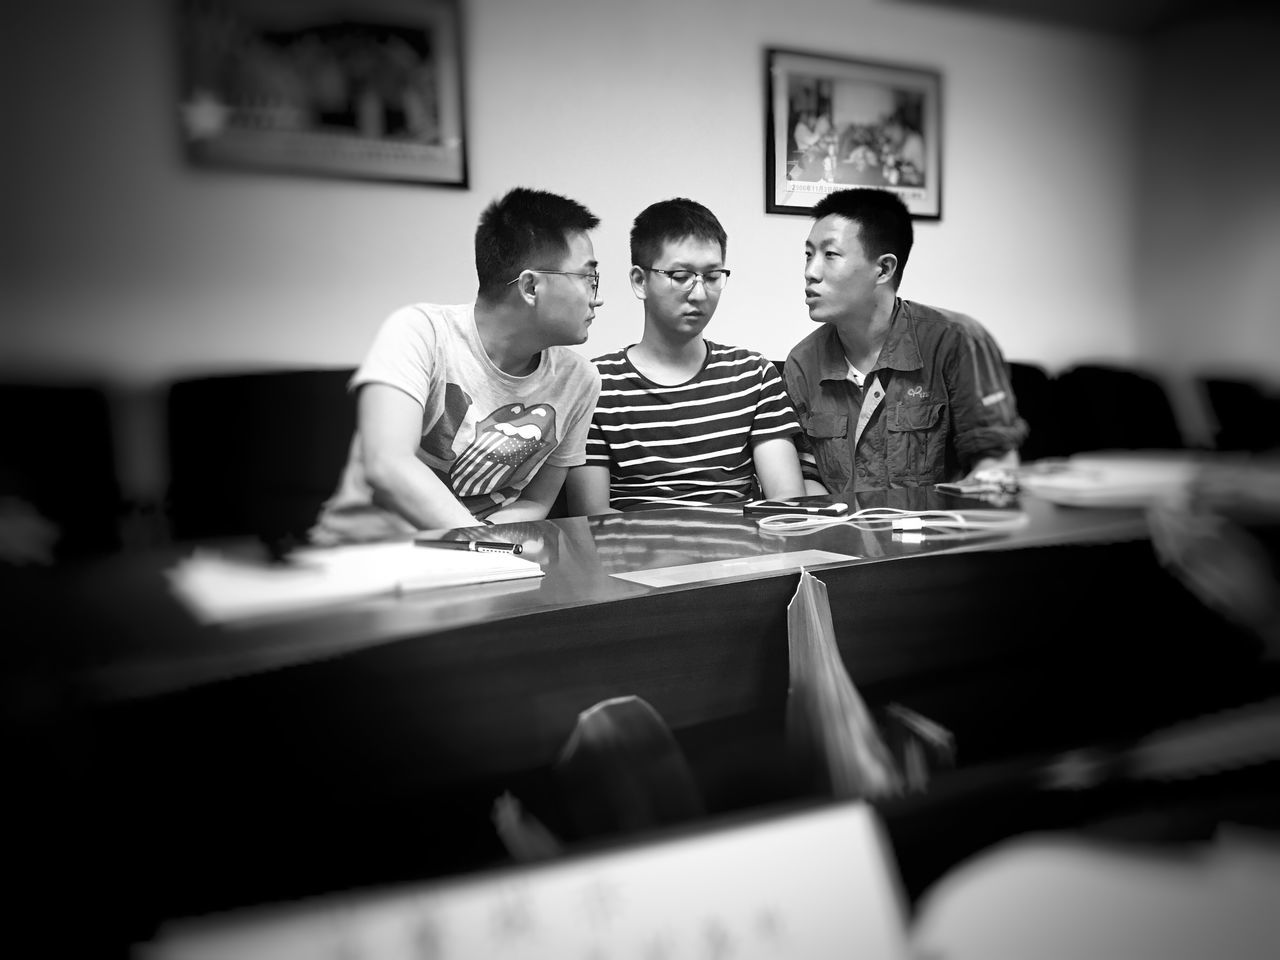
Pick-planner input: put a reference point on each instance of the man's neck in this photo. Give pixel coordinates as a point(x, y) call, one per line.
point(500, 329)
point(861, 337)
point(667, 360)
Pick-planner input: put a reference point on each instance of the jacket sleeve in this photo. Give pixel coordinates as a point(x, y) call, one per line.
point(797, 389)
point(983, 408)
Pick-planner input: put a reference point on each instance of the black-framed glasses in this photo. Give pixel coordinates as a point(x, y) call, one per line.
point(713, 281)
point(593, 279)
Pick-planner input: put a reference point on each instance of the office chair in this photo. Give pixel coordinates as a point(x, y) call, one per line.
point(1245, 412)
point(58, 456)
point(1033, 391)
point(1112, 407)
point(256, 453)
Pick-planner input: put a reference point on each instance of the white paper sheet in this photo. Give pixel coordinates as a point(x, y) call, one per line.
point(218, 588)
point(817, 885)
point(746, 567)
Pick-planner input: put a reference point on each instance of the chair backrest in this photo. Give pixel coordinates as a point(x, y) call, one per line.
point(1033, 392)
point(1108, 407)
point(256, 453)
point(58, 455)
point(1246, 413)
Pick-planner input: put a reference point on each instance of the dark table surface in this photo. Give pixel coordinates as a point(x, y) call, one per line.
point(365, 742)
point(132, 637)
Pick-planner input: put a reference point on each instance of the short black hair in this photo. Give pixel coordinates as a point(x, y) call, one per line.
point(673, 219)
point(884, 222)
point(520, 230)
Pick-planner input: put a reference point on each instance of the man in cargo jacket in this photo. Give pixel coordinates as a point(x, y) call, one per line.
point(890, 393)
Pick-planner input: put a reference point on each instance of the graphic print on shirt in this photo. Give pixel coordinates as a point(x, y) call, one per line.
point(505, 448)
point(438, 441)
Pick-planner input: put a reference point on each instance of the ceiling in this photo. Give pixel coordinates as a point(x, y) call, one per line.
point(1123, 17)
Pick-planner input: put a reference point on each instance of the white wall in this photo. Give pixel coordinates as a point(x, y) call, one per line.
point(1209, 230)
point(130, 264)
point(1101, 199)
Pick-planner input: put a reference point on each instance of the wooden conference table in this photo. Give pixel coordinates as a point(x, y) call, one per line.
point(366, 742)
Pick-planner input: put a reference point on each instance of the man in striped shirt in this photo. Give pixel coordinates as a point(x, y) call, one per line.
point(682, 420)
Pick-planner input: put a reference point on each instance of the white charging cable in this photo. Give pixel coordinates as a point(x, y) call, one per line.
point(908, 525)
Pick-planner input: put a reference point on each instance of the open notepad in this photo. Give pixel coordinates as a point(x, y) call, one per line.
point(219, 588)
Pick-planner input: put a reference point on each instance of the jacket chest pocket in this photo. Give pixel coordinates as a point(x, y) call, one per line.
point(828, 435)
point(905, 417)
point(917, 438)
point(825, 426)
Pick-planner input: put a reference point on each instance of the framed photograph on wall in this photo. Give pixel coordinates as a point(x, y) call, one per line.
point(836, 124)
point(365, 89)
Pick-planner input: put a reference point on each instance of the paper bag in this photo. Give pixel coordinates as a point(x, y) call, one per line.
point(833, 741)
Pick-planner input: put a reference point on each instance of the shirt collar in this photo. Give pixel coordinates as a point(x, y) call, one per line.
point(900, 350)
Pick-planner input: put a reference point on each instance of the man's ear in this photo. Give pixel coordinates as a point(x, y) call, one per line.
point(888, 266)
point(527, 286)
point(636, 275)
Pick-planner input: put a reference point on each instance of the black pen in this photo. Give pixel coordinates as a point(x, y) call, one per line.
point(475, 546)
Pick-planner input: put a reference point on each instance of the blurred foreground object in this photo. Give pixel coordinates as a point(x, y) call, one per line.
point(829, 729)
point(1220, 543)
point(622, 770)
point(815, 884)
point(26, 536)
point(1051, 896)
point(1112, 479)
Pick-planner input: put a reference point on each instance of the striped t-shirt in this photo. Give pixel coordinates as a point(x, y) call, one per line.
point(687, 444)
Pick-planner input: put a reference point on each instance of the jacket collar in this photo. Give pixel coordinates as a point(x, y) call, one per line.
point(899, 352)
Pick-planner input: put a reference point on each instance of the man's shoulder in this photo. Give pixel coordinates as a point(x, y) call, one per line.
point(431, 318)
point(927, 314)
point(811, 348)
point(612, 359)
point(724, 351)
point(571, 367)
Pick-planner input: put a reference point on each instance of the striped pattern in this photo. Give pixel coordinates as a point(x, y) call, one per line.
point(687, 444)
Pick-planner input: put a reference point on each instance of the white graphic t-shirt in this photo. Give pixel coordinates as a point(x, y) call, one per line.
point(484, 432)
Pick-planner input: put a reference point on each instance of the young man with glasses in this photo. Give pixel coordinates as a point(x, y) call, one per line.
point(890, 393)
point(472, 413)
point(683, 420)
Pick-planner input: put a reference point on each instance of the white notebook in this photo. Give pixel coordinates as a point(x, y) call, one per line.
point(814, 885)
point(219, 588)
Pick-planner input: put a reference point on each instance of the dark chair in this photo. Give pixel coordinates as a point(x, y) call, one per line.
point(256, 453)
point(1033, 391)
point(58, 455)
point(1246, 413)
point(1111, 407)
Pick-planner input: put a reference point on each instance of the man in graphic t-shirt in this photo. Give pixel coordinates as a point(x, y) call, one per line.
point(472, 413)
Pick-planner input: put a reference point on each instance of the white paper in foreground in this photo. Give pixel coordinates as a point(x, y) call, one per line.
point(816, 885)
point(218, 588)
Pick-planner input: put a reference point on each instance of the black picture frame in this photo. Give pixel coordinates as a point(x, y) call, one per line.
point(834, 123)
point(357, 89)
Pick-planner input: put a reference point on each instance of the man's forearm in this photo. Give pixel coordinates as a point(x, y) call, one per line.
point(411, 489)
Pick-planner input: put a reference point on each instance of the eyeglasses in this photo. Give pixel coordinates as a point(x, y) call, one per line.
point(593, 279)
point(713, 281)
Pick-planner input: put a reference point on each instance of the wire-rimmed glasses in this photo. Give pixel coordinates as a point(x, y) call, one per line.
point(713, 281)
point(593, 279)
